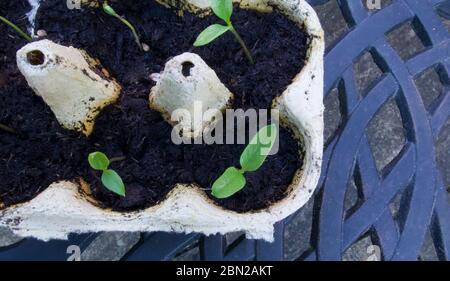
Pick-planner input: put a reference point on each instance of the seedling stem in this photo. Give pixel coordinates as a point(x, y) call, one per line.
point(17, 29)
point(117, 159)
point(7, 129)
point(110, 11)
point(242, 43)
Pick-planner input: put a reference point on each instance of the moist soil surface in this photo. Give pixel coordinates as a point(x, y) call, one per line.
point(41, 152)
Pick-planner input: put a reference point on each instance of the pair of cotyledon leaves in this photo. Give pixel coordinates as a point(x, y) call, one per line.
point(222, 9)
point(110, 179)
point(252, 158)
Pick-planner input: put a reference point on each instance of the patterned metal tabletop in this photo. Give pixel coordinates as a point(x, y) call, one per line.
point(382, 193)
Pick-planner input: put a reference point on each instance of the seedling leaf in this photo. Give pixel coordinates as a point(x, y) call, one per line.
point(112, 181)
point(109, 10)
point(223, 9)
point(98, 161)
point(259, 147)
point(252, 158)
point(230, 182)
point(211, 33)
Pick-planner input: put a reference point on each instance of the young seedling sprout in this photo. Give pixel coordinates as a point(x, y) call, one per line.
point(222, 9)
point(252, 158)
point(110, 179)
point(16, 28)
point(7, 129)
point(110, 11)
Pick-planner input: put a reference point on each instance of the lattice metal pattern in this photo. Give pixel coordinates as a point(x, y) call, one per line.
point(397, 226)
point(387, 107)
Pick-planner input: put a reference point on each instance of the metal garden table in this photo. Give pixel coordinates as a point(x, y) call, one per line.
point(412, 174)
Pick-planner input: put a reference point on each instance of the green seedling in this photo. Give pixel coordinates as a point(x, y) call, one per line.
point(110, 179)
point(110, 11)
point(16, 28)
point(7, 129)
point(222, 9)
point(252, 158)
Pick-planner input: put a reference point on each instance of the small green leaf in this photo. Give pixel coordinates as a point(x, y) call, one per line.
point(223, 9)
point(98, 161)
point(211, 33)
point(230, 182)
point(257, 150)
point(109, 10)
point(112, 181)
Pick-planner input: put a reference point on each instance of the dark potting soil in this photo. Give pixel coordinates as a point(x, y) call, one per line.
point(42, 152)
point(9, 40)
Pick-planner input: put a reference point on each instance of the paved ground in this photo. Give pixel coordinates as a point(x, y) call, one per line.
point(386, 136)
